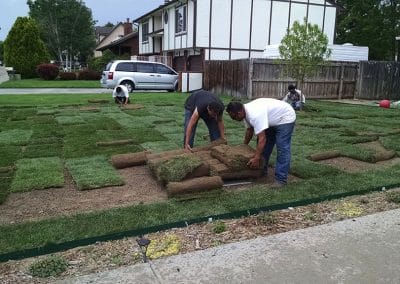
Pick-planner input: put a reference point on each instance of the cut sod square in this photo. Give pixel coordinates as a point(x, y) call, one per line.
point(93, 172)
point(15, 137)
point(38, 173)
point(67, 120)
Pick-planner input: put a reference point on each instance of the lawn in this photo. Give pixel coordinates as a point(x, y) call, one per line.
point(43, 135)
point(40, 83)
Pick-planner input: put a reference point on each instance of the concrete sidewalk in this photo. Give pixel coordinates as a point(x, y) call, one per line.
point(362, 250)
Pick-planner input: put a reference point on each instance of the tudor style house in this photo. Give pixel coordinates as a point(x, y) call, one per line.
point(191, 31)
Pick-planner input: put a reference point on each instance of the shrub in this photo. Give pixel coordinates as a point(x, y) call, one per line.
point(67, 76)
point(393, 196)
point(47, 71)
point(89, 75)
point(51, 266)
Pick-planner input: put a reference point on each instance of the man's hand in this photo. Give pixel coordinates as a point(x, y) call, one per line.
point(254, 162)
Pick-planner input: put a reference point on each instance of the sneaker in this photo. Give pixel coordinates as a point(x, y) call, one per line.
point(278, 184)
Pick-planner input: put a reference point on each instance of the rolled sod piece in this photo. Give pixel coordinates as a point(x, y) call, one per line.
point(114, 143)
point(167, 154)
point(122, 161)
point(200, 171)
point(209, 146)
point(384, 156)
point(199, 184)
point(324, 155)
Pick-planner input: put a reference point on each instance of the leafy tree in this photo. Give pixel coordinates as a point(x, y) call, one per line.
point(1, 51)
point(109, 25)
point(372, 23)
point(98, 63)
point(67, 28)
point(23, 48)
point(303, 49)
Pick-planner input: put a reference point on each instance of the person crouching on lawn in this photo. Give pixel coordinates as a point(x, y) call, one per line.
point(205, 105)
point(273, 122)
point(121, 95)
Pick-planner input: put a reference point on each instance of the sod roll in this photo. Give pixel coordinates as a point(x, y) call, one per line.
point(199, 184)
point(384, 156)
point(200, 171)
point(243, 174)
point(324, 155)
point(129, 160)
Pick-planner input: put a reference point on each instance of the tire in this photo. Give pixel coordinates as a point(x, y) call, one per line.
point(129, 85)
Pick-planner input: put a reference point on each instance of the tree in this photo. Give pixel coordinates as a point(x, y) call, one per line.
point(23, 48)
point(372, 23)
point(66, 27)
point(303, 49)
point(1, 51)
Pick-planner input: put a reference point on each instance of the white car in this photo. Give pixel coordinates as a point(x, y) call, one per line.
point(139, 75)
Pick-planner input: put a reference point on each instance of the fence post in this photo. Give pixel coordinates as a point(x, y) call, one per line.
point(341, 82)
point(250, 80)
point(359, 80)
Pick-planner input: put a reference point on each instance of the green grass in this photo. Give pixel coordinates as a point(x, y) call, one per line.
point(54, 131)
point(39, 173)
point(93, 172)
point(39, 83)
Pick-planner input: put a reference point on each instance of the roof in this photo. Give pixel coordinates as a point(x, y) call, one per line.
point(171, 2)
point(118, 41)
point(103, 30)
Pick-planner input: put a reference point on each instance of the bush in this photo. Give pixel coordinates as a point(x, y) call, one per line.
point(47, 71)
point(51, 266)
point(67, 76)
point(89, 75)
point(219, 227)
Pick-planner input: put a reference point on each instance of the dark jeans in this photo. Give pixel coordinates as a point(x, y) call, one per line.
point(212, 126)
point(280, 135)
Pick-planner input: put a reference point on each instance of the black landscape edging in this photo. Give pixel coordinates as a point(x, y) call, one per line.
point(52, 247)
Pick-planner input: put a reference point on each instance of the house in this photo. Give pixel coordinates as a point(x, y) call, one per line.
point(192, 31)
point(121, 39)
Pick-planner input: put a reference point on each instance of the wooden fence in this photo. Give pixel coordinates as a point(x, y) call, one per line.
point(379, 80)
point(254, 78)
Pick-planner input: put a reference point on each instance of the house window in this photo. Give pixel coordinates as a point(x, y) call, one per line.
point(145, 32)
point(180, 19)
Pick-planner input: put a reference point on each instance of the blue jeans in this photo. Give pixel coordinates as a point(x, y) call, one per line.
point(211, 123)
point(280, 135)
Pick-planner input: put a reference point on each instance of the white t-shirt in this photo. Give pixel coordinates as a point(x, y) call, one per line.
point(265, 112)
point(124, 92)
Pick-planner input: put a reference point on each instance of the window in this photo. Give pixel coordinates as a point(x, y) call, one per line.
point(161, 69)
point(125, 67)
point(145, 68)
point(145, 32)
point(180, 20)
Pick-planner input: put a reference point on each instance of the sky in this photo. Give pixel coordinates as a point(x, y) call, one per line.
point(103, 11)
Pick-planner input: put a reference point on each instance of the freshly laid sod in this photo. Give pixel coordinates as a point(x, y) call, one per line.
point(93, 172)
point(39, 173)
point(59, 130)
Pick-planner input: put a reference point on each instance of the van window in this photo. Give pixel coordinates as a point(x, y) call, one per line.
point(125, 66)
point(161, 69)
point(145, 68)
point(108, 66)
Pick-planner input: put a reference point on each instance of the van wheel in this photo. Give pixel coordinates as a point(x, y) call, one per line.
point(129, 85)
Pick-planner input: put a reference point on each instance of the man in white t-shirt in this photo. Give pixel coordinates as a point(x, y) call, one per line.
point(121, 95)
point(273, 122)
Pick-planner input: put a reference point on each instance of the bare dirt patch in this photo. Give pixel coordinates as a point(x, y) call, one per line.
point(139, 187)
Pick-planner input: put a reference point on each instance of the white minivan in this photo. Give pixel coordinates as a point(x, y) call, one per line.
point(139, 75)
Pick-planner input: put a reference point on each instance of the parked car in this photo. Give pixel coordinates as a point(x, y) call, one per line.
point(139, 75)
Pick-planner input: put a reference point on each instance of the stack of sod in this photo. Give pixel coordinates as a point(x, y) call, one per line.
point(234, 161)
point(199, 184)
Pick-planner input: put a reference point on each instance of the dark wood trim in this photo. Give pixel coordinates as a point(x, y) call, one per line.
point(288, 21)
point(209, 31)
point(323, 20)
point(251, 26)
point(270, 22)
point(152, 29)
point(194, 23)
point(236, 49)
point(230, 32)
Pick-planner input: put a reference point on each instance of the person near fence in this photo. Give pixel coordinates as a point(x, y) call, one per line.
point(273, 122)
point(121, 95)
point(205, 105)
point(295, 98)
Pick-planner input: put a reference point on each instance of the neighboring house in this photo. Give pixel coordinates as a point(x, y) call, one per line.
point(128, 44)
point(117, 33)
point(191, 31)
